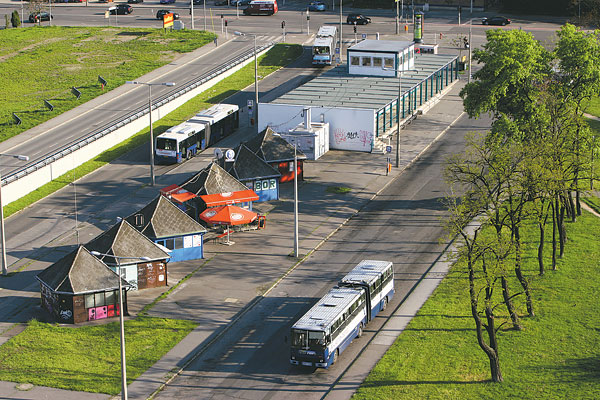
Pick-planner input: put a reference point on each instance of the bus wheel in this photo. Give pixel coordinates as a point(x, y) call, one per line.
point(385, 302)
point(335, 356)
point(360, 330)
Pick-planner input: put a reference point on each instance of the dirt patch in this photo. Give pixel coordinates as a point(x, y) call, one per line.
point(30, 47)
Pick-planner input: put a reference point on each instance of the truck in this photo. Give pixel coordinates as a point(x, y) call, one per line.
point(324, 46)
point(261, 7)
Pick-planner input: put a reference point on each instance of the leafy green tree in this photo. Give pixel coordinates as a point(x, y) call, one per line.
point(472, 249)
point(507, 86)
point(15, 19)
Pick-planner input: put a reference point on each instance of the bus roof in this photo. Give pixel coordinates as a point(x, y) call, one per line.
point(215, 113)
point(367, 271)
point(327, 31)
point(323, 41)
point(182, 131)
point(326, 311)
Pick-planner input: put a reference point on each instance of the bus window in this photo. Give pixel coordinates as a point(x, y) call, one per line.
point(316, 338)
point(299, 338)
point(166, 144)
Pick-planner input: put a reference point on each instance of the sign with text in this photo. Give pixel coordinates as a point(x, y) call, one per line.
point(168, 20)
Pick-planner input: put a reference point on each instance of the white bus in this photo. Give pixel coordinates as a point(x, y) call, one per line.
point(324, 46)
point(377, 278)
point(204, 129)
point(318, 337)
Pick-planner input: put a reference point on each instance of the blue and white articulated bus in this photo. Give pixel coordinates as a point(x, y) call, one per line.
point(320, 336)
point(377, 278)
point(204, 129)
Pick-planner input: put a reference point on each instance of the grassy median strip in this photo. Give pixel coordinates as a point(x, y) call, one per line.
point(44, 63)
point(276, 58)
point(556, 356)
point(88, 358)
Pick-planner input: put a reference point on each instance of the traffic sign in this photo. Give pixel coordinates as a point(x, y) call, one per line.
point(364, 35)
point(388, 149)
point(337, 50)
point(250, 103)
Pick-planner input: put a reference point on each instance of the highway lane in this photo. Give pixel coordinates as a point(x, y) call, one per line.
point(46, 139)
point(402, 225)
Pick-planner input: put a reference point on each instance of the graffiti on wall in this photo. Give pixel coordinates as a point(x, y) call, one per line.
point(359, 139)
point(66, 314)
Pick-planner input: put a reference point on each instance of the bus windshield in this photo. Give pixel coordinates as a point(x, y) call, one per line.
point(166, 144)
point(321, 50)
point(308, 339)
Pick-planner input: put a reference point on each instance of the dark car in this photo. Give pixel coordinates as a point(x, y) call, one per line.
point(41, 16)
point(495, 21)
point(161, 13)
point(358, 19)
point(134, 1)
point(121, 9)
point(239, 3)
point(219, 2)
point(167, 1)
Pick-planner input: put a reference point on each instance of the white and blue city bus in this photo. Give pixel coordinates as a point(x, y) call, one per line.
point(377, 278)
point(318, 338)
point(204, 129)
point(329, 326)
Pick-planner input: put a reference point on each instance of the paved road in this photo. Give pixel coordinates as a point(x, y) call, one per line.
point(402, 224)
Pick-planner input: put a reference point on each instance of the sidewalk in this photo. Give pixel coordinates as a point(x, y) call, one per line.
point(222, 290)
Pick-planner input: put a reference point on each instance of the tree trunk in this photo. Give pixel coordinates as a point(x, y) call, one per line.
point(573, 213)
point(562, 232)
point(519, 272)
point(540, 253)
point(578, 201)
point(554, 223)
point(493, 356)
point(509, 305)
point(491, 352)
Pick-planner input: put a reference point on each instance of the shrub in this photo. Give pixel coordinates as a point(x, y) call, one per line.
point(15, 20)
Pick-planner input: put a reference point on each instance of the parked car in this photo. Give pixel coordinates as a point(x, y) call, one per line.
point(358, 19)
point(167, 1)
point(495, 21)
point(317, 6)
point(239, 3)
point(221, 2)
point(161, 13)
point(134, 1)
point(40, 16)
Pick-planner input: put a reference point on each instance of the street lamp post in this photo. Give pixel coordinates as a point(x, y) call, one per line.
point(400, 72)
point(121, 322)
point(341, 40)
point(150, 115)
point(2, 238)
point(255, 112)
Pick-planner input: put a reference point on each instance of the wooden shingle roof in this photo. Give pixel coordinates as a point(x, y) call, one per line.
point(271, 147)
point(212, 180)
point(80, 272)
point(161, 218)
point(123, 240)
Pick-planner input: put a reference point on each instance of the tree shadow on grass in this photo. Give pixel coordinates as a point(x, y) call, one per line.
point(580, 369)
point(423, 382)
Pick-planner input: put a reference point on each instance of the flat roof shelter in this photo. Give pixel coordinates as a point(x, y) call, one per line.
point(361, 108)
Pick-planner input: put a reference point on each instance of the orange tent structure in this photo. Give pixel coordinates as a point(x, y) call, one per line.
point(228, 215)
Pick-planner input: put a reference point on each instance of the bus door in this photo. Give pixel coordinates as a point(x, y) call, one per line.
point(206, 140)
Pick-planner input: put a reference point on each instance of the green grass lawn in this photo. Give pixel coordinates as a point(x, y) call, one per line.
point(273, 60)
point(594, 107)
point(88, 358)
point(43, 63)
point(556, 356)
